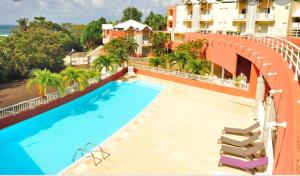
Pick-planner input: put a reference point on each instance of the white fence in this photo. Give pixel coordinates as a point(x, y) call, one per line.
point(31, 104)
point(288, 50)
point(209, 79)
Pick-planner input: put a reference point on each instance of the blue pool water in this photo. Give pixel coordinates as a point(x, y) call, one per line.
point(46, 143)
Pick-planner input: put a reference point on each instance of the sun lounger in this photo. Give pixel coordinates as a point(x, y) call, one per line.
point(239, 143)
point(243, 152)
point(246, 131)
point(131, 72)
point(241, 164)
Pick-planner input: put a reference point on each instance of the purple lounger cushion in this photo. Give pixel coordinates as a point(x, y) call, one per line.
point(243, 164)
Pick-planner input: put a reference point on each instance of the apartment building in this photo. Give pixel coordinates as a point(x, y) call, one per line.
point(140, 32)
point(276, 17)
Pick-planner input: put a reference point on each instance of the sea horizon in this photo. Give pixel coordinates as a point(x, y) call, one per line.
point(5, 29)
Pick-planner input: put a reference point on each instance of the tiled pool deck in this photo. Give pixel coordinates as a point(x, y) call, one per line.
point(177, 134)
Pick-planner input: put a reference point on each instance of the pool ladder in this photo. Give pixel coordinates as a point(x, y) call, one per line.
point(92, 153)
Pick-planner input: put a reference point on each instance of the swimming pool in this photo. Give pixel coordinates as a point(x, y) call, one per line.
point(46, 143)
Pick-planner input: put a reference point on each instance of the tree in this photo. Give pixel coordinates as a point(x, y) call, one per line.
point(103, 62)
point(156, 21)
point(128, 44)
point(44, 79)
point(198, 66)
point(194, 48)
point(91, 37)
point(180, 59)
point(132, 13)
point(77, 76)
point(23, 23)
point(119, 56)
point(35, 48)
point(155, 62)
point(158, 41)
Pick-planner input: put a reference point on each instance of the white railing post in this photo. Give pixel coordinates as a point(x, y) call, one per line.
point(297, 68)
point(286, 52)
point(291, 58)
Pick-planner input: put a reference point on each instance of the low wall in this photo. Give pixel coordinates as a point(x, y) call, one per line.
point(13, 119)
point(200, 84)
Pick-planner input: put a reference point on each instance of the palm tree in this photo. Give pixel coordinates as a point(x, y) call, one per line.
point(198, 66)
point(23, 23)
point(131, 45)
point(180, 59)
point(103, 62)
point(71, 74)
point(119, 57)
point(44, 79)
point(155, 62)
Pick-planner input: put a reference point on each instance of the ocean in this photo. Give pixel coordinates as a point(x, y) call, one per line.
point(6, 29)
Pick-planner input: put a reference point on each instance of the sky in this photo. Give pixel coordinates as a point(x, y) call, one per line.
point(75, 11)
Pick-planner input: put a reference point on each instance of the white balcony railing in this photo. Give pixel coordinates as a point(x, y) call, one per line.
point(206, 17)
point(188, 17)
point(170, 18)
point(146, 42)
point(296, 25)
point(265, 16)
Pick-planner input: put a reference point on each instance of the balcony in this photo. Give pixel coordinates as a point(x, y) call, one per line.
point(170, 18)
point(240, 18)
point(265, 17)
point(206, 17)
point(188, 18)
point(147, 43)
point(296, 25)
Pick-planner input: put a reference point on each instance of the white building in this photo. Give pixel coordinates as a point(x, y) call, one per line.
point(276, 17)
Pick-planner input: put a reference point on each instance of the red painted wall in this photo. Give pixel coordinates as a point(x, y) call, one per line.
point(222, 50)
point(13, 119)
point(173, 8)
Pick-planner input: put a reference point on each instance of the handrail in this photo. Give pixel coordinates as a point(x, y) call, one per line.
point(287, 49)
point(84, 151)
point(32, 103)
point(208, 78)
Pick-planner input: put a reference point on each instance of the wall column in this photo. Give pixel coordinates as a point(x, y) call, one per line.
point(253, 81)
point(212, 69)
point(223, 72)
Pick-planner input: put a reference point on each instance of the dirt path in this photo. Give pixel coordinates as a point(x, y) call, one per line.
point(16, 92)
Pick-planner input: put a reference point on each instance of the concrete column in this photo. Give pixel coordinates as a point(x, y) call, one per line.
point(251, 16)
point(223, 72)
point(260, 95)
point(212, 69)
point(139, 39)
point(196, 18)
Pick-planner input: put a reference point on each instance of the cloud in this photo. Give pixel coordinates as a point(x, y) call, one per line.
point(75, 11)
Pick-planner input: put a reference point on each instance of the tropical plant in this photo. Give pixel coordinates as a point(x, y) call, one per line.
point(156, 21)
point(155, 62)
point(76, 76)
point(44, 79)
point(198, 66)
point(23, 23)
point(103, 62)
point(180, 59)
point(158, 41)
point(119, 57)
point(132, 13)
point(130, 45)
point(194, 48)
point(91, 37)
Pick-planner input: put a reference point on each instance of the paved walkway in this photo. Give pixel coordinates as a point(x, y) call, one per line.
point(177, 134)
